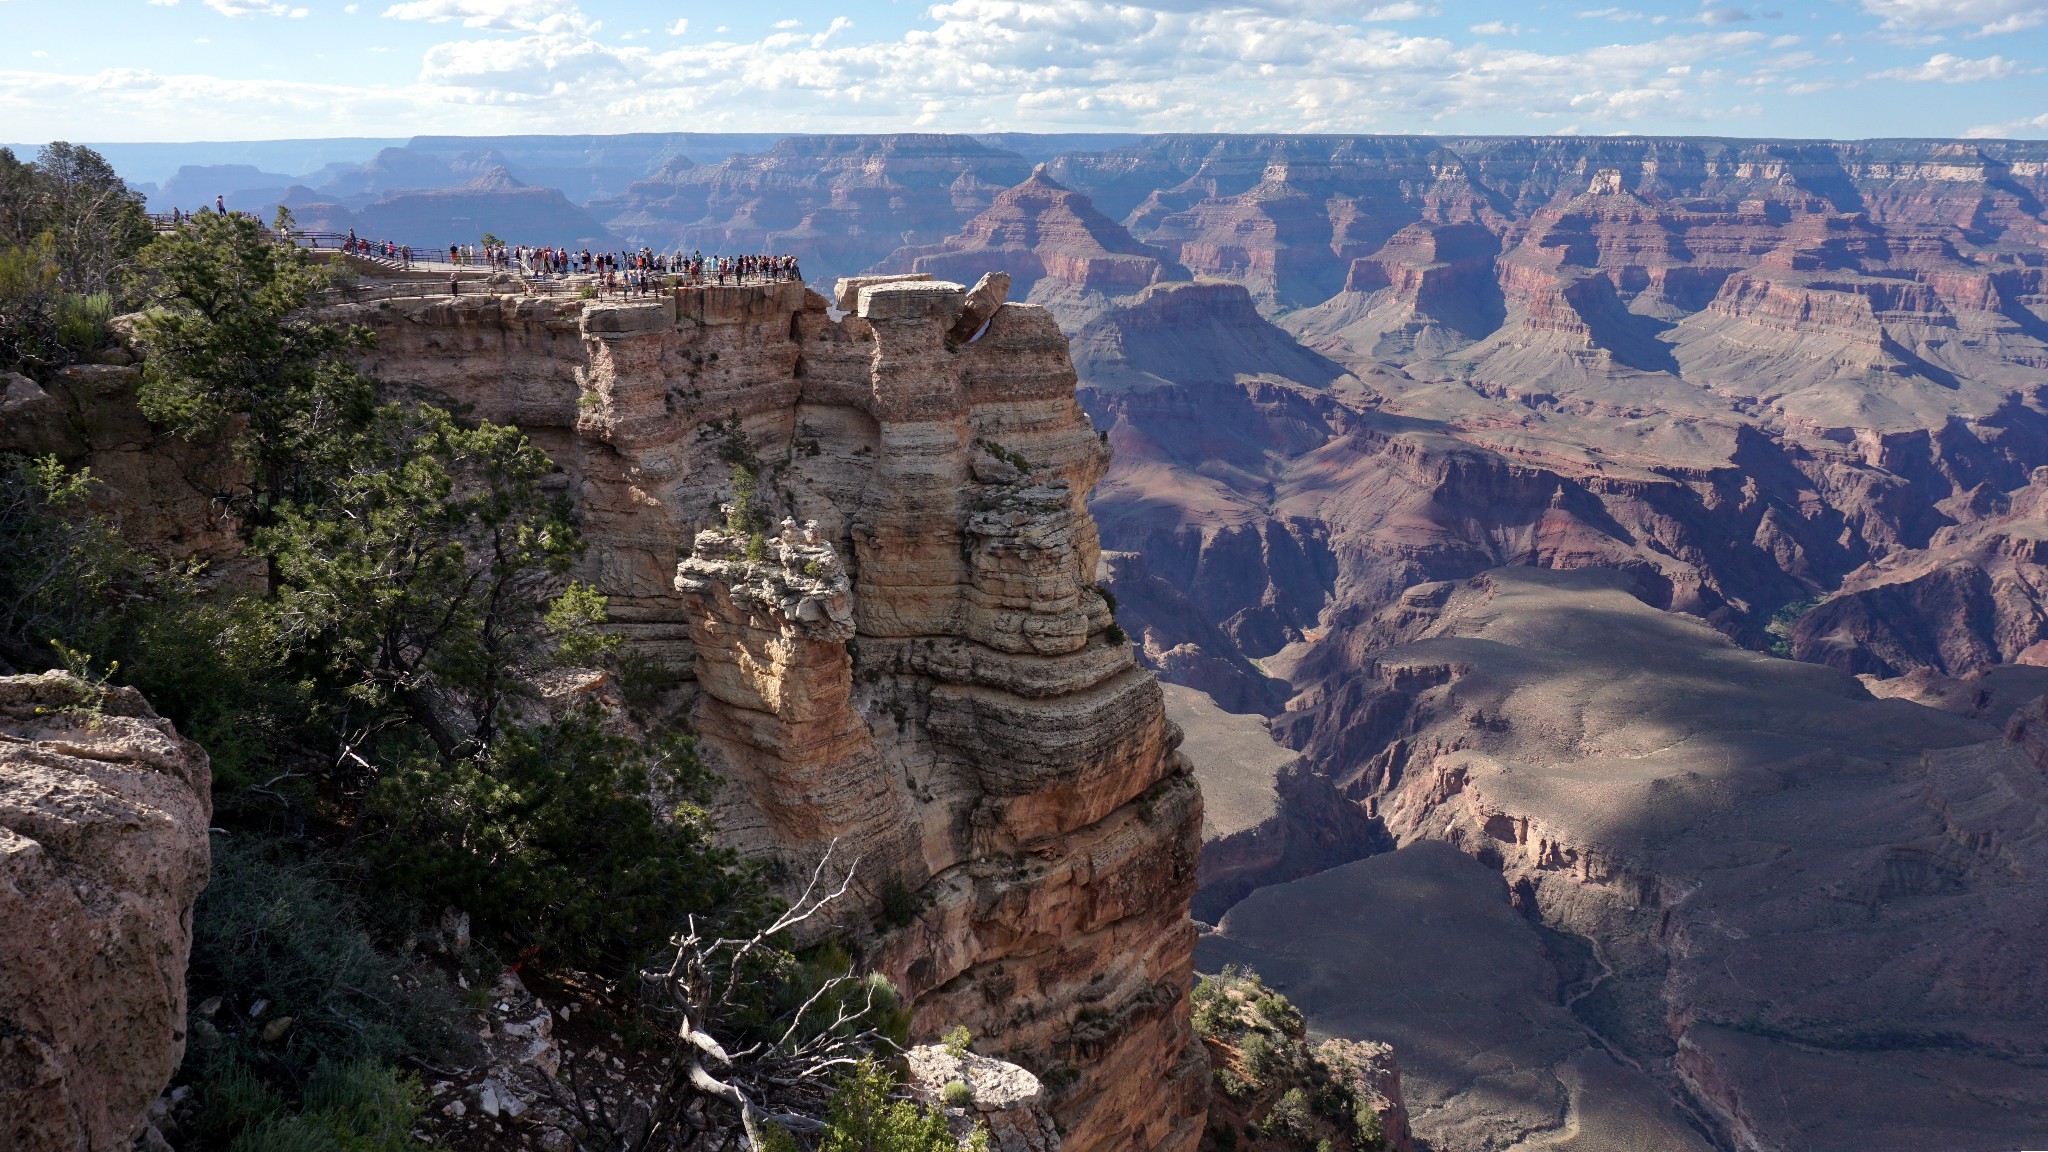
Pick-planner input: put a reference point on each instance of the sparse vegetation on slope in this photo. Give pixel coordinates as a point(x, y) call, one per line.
point(1273, 1089)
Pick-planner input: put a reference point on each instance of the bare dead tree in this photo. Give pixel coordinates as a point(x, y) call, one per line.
point(712, 1096)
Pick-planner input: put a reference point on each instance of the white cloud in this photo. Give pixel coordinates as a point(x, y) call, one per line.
point(1405, 10)
point(786, 25)
point(165, 3)
point(679, 27)
point(2010, 128)
point(1615, 14)
point(839, 24)
point(1991, 17)
point(1944, 68)
point(248, 7)
point(496, 15)
point(980, 65)
point(1496, 28)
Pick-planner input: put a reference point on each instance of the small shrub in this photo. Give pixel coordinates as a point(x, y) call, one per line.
point(1259, 1055)
point(574, 620)
point(274, 924)
point(866, 1115)
point(900, 903)
point(1108, 597)
point(957, 1040)
point(957, 1094)
point(360, 1107)
point(1274, 1009)
point(1214, 1017)
point(1114, 634)
point(1369, 1132)
point(1290, 1118)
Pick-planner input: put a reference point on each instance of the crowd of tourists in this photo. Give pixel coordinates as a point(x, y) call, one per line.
point(628, 270)
point(625, 272)
point(388, 249)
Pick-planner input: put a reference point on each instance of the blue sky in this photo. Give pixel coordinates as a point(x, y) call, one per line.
point(256, 69)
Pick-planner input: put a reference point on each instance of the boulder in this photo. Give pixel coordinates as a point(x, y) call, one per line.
point(103, 817)
point(1006, 1098)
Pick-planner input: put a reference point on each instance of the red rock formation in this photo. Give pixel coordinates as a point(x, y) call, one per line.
point(1059, 251)
point(153, 486)
point(1972, 599)
point(1430, 289)
point(919, 673)
point(1307, 212)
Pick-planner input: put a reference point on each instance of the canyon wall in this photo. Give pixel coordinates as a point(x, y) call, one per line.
point(909, 666)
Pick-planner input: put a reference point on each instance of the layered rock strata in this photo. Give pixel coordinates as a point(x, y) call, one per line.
point(1971, 600)
point(103, 817)
point(894, 645)
point(1061, 251)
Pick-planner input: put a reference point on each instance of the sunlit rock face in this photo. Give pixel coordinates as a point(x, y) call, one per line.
point(908, 665)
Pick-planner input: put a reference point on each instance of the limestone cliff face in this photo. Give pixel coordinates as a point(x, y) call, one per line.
point(155, 486)
point(913, 666)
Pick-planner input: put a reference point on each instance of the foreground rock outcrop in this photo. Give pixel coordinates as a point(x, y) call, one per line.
point(860, 546)
point(103, 850)
point(1001, 1097)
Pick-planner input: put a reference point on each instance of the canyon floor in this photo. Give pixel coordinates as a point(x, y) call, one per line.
point(1648, 871)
